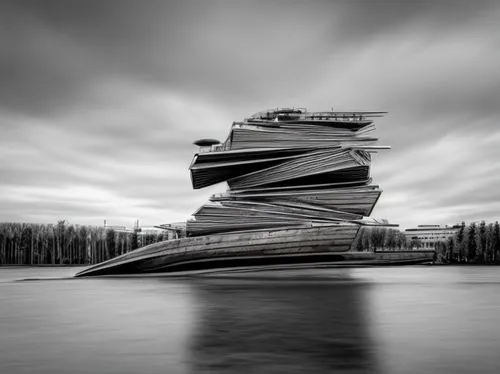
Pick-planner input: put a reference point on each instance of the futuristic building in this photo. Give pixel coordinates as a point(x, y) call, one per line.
point(299, 190)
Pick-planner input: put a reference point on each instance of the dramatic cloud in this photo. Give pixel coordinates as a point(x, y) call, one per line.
point(101, 100)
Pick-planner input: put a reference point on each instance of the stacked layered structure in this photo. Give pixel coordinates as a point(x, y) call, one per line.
point(299, 190)
point(287, 168)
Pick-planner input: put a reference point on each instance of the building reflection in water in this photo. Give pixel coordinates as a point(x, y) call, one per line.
point(281, 326)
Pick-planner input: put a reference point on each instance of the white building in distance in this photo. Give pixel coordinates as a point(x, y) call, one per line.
point(430, 235)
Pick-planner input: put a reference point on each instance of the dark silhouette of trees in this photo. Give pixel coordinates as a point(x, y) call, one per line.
point(441, 252)
point(401, 241)
point(478, 244)
point(496, 242)
point(415, 243)
point(471, 242)
point(461, 242)
point(110, 243)
point(63, 243)
point(378, 237)
point(134, 240)
point(390, 239)
point(451, 250)
point(481, 242)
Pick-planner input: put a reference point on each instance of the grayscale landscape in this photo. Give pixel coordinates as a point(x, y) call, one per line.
point(211, 174)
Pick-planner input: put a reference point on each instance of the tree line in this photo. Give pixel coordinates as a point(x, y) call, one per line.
point(63, 243)
point(473, 243)
point(382, 238)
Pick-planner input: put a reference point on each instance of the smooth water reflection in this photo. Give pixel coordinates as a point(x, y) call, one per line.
point(379, 320)
point(281, 327)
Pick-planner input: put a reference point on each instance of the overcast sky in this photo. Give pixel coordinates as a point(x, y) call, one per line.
point(101, 100)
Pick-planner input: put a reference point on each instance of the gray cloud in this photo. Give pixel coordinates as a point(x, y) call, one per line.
point(232, 50)
point(105, 98)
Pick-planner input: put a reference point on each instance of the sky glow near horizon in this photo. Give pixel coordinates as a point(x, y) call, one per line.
point(100, 101)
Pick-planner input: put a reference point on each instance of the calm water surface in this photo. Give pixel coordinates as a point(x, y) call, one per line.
point(368, 320)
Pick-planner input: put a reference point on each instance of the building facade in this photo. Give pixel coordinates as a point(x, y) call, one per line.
point(430, 235)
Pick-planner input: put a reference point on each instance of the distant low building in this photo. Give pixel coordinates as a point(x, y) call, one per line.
point(177, 229)
point(430, 235)
point(168, 231)
point(118, 229)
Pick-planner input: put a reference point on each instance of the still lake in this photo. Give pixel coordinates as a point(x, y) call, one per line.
point(418, 319)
